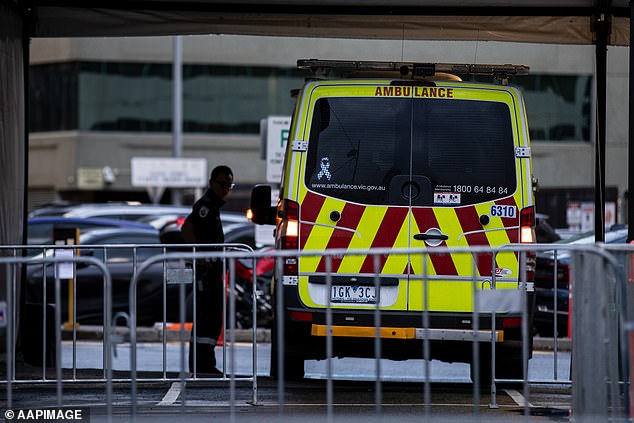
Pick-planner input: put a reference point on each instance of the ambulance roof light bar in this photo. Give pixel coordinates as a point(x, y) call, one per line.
point(412, 69)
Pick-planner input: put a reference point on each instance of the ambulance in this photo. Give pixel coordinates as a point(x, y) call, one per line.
point(403, 157)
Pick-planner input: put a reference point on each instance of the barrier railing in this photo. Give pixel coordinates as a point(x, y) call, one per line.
point(113, 255)
point(607, 310)
point(425, 333)
point(194, 257)
point(11, 317)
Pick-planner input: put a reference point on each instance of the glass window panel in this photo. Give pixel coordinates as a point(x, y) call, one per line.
point(125, 98)
point(216, 99)
point(357, 145)
point(137, 97)
point(465, 146)
point(53, 97)
point(557, 106)
point(359, 150)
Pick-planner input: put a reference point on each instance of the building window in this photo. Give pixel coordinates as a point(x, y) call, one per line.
point(558, 106)
point(131, 97)
point(53, 97)
point(137, 97)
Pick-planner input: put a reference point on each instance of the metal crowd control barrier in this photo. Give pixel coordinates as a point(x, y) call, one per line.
point(478, 336)
point(620, 307)
point(228, 252)
point(106, 251)
point(602, 320)
point(599, 313)
point(11, 308)
point(108, 333)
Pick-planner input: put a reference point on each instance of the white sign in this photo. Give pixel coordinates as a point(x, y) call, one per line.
point(587, 216)
point(277, 131)
point(168, 172)
point(580, 215)
point(65, 270)
point(90, 178)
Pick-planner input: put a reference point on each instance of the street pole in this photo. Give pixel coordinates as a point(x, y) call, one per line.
point(177, 110)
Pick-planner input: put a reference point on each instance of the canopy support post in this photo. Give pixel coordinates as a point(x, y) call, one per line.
point(630, 144)
point(602, 33)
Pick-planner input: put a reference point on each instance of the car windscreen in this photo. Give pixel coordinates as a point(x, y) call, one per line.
point(397, 151)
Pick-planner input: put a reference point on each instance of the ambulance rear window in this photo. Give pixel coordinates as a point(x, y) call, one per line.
point(397, 151)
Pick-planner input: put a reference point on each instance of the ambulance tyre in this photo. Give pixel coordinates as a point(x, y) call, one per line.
point(508, 366)
point(293, 365)
point(293, 368)
point(484, 377)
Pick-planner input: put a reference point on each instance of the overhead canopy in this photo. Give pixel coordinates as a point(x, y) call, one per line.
point(538, 21)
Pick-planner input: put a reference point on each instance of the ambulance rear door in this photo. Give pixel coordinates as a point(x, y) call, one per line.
point(466, 191)
point(357, 143)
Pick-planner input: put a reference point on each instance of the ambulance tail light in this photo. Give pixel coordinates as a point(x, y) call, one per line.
point(301, 316)
point(527, 236)
point(527, 225)
point(511, 322)
point(289, 235)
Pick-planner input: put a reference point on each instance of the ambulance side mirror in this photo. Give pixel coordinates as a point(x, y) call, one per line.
point(262, 213)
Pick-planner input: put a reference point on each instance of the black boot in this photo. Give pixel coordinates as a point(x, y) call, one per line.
point(205, 359)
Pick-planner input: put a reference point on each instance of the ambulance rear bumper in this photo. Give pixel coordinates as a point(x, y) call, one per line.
point(408, 333)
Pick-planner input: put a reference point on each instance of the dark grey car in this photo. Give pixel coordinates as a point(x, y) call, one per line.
point(120, 262)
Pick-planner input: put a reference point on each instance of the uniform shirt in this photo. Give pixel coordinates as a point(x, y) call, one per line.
point(205, 219)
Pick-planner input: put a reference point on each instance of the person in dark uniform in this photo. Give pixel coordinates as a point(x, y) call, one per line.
point(203, 226)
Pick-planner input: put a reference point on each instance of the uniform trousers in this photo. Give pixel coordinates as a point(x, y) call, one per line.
point(209, 319)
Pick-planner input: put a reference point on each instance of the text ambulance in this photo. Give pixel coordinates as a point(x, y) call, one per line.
point(419, 161)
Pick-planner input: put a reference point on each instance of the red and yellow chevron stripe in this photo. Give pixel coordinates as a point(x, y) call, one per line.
point(369, 226)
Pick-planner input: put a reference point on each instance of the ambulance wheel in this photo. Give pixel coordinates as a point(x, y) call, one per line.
point(293, 368)
point(508, 366)
point(484, 367)
point(293, 365)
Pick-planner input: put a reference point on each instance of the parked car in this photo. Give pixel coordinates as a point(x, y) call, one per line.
point(161, 221)
point(40, 229)
point(156, 215)
point(60, 208)
point(545, 291)
point(126, 211)
point(57, 208)
point(89, 279)
point(237, 230)
point(120, 263)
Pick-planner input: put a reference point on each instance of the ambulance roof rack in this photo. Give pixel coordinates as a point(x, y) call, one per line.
point(412, 69)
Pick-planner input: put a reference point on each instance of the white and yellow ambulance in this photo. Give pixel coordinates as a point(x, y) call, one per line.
point(413, 158)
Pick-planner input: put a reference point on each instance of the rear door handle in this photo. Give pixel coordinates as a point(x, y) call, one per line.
point(425, 237)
